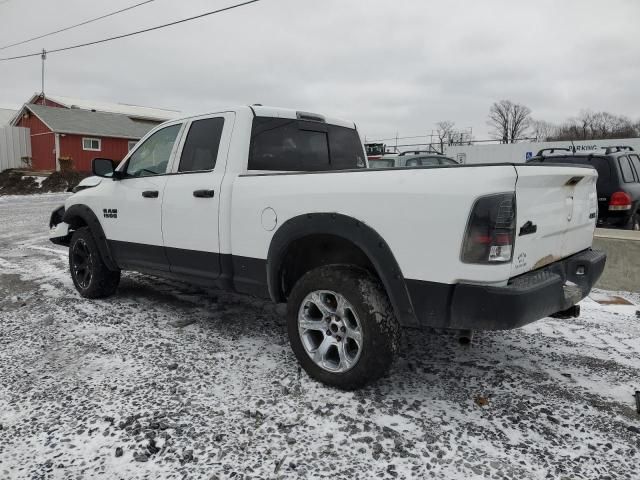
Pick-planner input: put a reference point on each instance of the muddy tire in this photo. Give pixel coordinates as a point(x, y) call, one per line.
point(342, 327)
point(90, 275)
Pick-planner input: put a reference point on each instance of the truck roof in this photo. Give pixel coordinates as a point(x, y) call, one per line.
point(265, 111)
point(278, 112)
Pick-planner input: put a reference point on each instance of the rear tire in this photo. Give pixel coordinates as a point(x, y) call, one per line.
point(89, 273)
point(342, 327)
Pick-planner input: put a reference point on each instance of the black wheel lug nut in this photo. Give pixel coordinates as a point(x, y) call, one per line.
point(343, 329)
point(329, 332)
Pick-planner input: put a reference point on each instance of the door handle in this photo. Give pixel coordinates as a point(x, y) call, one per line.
point(204, 193)
point(150, 194)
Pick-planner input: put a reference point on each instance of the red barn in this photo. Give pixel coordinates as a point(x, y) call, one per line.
point(63, 128)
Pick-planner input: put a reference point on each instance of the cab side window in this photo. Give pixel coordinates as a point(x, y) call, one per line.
point(448, 161)
point(200, 149)
point(152, 157)
point(635, 161)
point(625, 168)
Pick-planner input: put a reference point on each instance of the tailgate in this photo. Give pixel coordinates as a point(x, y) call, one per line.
point(556, 214)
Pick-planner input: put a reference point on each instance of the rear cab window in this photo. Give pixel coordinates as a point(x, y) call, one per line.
point(291, 145)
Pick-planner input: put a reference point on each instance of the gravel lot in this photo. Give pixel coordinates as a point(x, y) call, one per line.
point(169, 381)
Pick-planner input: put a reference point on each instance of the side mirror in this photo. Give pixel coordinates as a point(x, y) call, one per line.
point(103, 167)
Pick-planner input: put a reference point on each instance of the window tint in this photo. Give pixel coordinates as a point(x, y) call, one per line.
point(448, 161)
point(635, 161)
point(375, 148)
point(152, 157)
point(200, 149)
point(346, 149)
point(422, 161)
point(603, 167)
point(625, 168)
point(280, 144)
point(381, 163)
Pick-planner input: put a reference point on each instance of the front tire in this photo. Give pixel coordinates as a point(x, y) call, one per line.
point(341, 326)
point(89, 273)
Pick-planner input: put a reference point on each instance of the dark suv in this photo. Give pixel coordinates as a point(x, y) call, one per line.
point(618, 181)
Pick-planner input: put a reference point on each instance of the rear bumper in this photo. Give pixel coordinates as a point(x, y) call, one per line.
point(618, 221)
point(523, 300)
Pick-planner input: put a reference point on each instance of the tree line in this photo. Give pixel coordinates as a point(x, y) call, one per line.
point(512, 122)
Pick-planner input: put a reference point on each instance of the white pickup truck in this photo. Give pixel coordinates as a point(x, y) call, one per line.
point(279, 204)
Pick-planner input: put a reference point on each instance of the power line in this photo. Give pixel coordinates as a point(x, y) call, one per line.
point(117, 37)
point(76, 25)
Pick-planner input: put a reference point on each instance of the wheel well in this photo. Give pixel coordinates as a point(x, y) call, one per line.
point(78, 216)
point(76, 222)
point(314, 251)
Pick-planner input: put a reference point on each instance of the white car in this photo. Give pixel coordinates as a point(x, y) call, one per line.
point(278, 203)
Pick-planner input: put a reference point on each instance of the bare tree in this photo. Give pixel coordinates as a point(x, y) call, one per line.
point(499, 119)
point(444, 133)
point(509, 120)
point(585, 123)
point(542, 131)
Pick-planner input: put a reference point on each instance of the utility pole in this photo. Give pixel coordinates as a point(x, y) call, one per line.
point(43, 57)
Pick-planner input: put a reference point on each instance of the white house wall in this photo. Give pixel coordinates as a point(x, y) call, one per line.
point(15, 143)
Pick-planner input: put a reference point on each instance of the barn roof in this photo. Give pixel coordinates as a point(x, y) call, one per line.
point(86, 122)
point(6, 115)
point(133, 111)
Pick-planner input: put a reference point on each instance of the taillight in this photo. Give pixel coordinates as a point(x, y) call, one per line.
point(620, 201)
point(491, 230)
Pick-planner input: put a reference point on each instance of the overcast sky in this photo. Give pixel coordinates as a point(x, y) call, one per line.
point(390, 65)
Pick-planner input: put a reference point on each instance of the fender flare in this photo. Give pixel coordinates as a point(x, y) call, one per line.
point(91, 220)
point(362, 236)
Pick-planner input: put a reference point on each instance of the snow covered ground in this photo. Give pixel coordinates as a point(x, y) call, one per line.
point(194, 384)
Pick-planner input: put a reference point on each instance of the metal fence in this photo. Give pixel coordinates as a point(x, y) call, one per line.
point(15, 145)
